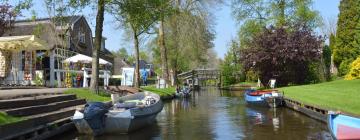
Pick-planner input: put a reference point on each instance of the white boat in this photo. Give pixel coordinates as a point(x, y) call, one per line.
point(124, 120)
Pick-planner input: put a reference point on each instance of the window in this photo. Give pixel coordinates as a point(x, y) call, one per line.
point(81, 37)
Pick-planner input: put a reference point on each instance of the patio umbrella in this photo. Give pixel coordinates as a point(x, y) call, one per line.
point(84, 59)
point(22, 43)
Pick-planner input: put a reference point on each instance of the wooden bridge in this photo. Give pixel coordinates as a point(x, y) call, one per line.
point(201, 77)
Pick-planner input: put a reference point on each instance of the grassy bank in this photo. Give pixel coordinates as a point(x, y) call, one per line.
point(89, 95)
point(5, 119)
point(339, 95)
point(165, 92)
point(239, 86)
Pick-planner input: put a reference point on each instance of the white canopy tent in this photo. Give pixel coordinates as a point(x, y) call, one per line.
point(84, 59)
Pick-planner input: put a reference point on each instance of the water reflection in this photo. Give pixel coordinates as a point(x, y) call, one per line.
point(214, 114)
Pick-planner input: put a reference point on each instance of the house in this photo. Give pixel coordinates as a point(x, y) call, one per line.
point(105, 53)
point(64, 37)
point(118, 64)
point(147, 66)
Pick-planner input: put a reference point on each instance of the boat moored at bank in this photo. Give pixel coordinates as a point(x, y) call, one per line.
point(270, 98)
point(128, 114)
point(343, 127)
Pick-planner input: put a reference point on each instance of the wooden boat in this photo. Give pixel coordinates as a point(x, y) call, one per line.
point(126, 119)
point(271, 98)
point(344, 127)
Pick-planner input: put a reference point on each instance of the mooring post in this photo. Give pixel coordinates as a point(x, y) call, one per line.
point(193, 79)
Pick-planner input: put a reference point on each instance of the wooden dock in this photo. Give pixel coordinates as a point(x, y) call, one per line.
point(309, 110)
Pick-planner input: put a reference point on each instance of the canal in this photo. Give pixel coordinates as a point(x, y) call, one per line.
point(215, 114)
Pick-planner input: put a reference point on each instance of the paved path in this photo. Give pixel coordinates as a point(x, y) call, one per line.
point(10, 93)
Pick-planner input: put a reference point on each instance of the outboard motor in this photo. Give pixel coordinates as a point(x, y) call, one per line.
point(94, 114)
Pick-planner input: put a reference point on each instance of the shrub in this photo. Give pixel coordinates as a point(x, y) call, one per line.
point(344, 67)
point(252, 76)
point(354, 72)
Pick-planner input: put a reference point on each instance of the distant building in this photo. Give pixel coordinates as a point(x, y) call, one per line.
point(147, 66)
point(118, 64)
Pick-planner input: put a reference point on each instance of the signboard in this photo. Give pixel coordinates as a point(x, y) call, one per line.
point(127, 77)
point(162, 83)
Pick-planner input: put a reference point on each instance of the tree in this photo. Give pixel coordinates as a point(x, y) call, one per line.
point(230, 67)
point(328, 27)
point(256, 14)
point(332, 43)
point(327, 61)
point(165, 10)
point(8, 13)
point(7, 18)
point(284, 55)
point(139, 16)
point(253, 16)
point(347, 46)
point(122, 52)
point(94, 85)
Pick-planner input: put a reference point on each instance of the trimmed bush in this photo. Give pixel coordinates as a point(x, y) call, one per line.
point(354, 72)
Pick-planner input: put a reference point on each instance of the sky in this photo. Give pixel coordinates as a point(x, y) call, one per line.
point(225, 25)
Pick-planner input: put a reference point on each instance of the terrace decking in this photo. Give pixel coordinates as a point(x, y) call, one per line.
point(45, 113)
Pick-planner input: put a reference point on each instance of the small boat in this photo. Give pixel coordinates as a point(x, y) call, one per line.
point(271, 98)
point(130, 113)
point(344, 127)
point(181, 95)
point(185, 93)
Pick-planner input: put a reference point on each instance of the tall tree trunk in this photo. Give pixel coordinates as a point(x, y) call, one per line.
point(176, 43)
point(94, 85)
point(137, 71)
point(163, 52)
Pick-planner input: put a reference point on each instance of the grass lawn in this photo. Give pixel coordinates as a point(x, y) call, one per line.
point(89, 95)
point(5, 119)
point(339, 95)
point(243, 84)
point(162, 92)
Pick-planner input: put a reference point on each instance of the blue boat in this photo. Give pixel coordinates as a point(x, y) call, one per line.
point(344, 127)
point(269, 98)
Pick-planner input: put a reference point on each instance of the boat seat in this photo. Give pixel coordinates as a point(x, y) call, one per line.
point(116, 110)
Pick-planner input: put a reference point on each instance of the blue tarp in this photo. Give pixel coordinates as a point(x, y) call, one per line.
point(94, 114)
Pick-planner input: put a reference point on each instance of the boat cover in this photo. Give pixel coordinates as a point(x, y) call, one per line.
point(94, 114)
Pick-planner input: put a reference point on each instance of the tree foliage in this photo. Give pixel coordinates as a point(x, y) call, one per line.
point(347, 46)
point(7, 17)
point(188, 37)
point(139, 16)
point(230, 67)
point(327, 61)
point(256, 14)
point(122, 52)
point(354, 72)
point(8, 13)
point(282, 54)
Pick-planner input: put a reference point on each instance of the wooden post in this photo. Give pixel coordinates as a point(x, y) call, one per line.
point(193, 79)
point(85, 83)
point(58, 78)
point(52, 68)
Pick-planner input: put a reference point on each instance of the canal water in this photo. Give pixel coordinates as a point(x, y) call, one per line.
point(215, 114)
